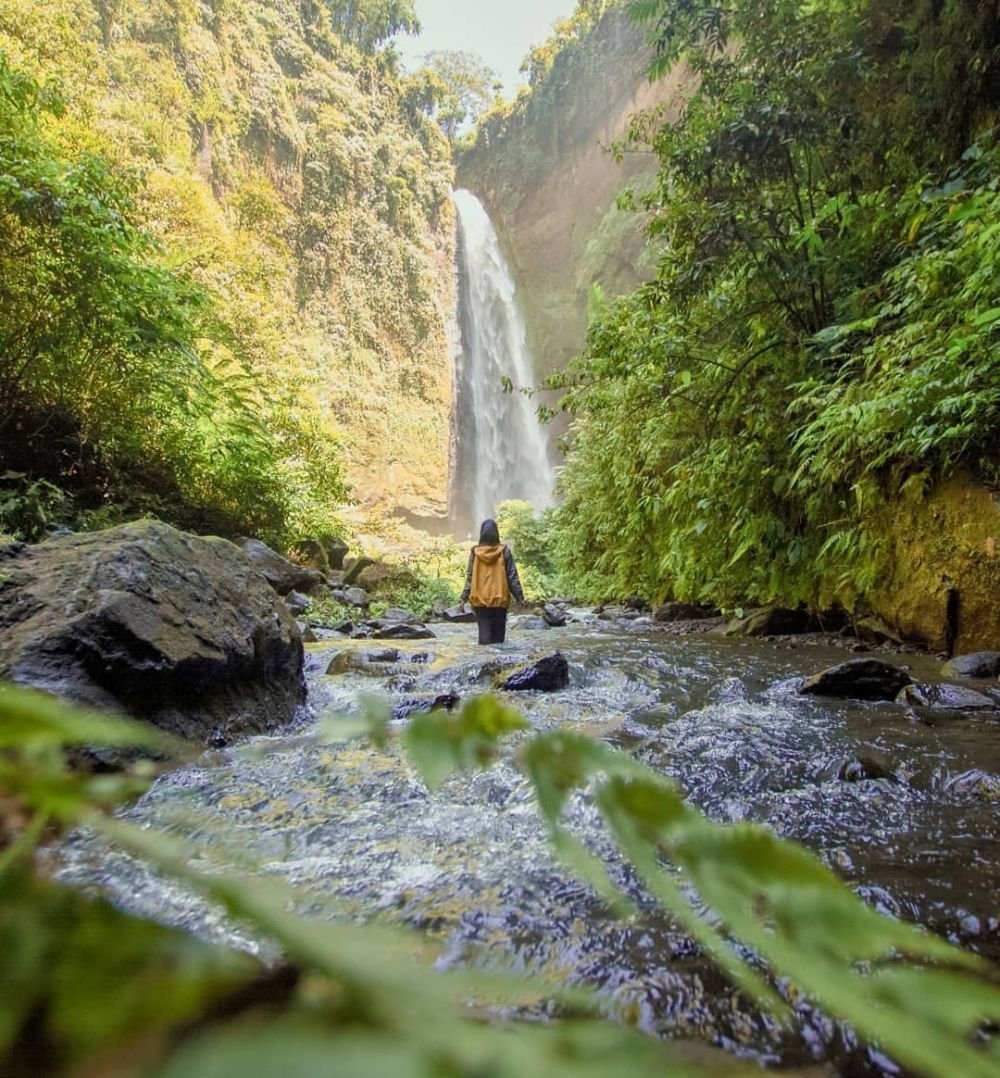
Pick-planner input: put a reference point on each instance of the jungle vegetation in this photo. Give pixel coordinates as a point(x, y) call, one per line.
point(822, 335)
point(224, 229)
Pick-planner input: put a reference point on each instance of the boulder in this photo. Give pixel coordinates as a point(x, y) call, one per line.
point(401, 631)
point(980, 664)
point(459, 614)
point(617, 613)
point(336, 550)
point(364, 662)
point(283, 575)
point(297, 603)
point(547, 674)
point(177, 630)
point(350, 596)
point(554, 614)
point(858, 679)
point(531, 623)
point(415, 705)
point(945, 698)
point(397, 616)
point(772, 621)
point(866, 769)
point(683, 612)
point(635, 602)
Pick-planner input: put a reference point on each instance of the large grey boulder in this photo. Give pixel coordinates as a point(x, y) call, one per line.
point(547, 674)
point(978, 664)
point(171, 628)
point(946, 698)
point(771, 621)
point(283, 575)
point(858, 679)
point(684, 612)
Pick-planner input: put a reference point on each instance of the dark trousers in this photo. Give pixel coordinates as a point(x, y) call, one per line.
point(492, 622)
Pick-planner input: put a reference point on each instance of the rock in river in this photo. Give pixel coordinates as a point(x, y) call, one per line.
point(547, 674)
point(178, 630)
point(858, 679)
point(946, 698)
point(283, 575)
point(980, 664)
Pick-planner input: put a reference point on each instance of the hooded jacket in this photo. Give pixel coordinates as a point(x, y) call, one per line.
point(491, 577)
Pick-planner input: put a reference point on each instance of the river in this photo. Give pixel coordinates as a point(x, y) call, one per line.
point(353, 826)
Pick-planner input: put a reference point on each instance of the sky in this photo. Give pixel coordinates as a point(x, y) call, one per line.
point(501, 32)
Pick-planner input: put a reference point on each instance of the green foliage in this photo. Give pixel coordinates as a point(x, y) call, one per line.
point(300, 205)
point(94, 328)
point(819, 335)
point(532, 539)
point(370, 23)
point(29, 508)
point(469, 87)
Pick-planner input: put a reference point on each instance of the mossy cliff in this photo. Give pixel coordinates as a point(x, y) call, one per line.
point(944, 583)
point(303, 182)
point(542, 167)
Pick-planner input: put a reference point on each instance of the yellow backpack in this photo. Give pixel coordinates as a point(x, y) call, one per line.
point(489, 577)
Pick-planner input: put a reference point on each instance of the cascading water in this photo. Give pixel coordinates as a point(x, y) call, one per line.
point(500, 450)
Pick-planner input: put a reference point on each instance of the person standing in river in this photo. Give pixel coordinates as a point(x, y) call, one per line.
point(490, 581)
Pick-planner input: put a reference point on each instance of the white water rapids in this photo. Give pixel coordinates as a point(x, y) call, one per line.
point(500, 448)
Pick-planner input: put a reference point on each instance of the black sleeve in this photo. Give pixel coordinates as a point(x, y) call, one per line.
point(468, 578)
point(513, 580)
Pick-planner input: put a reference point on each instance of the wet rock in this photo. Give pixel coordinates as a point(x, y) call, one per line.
point(178, 630)
point(554, 615)
point(864, 769)
point(297, 603)
point(356, 568)
point(458, 614)
point(858, 679)
point(531, 622)
point(395, 615)
point(617, 613)
point(283, 575)
point(416, 705)
point(325, 553)
point(976, 784)
point(874, 630)
point(772, 621)
point(547, 674)
point(384, 655)
point(356, 597)
point(945, 698)
point(308, 636)
point(979, 664)
point(637, 603)
point(401, 631)
point(683, 612)
point(363, 662)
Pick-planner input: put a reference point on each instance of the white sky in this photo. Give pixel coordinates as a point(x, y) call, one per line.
point(501, 32)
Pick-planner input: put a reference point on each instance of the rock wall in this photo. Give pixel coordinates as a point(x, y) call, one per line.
point(547, 177)
point(944, 588)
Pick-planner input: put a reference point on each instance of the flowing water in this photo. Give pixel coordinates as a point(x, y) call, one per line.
point(500, 450)
point(354, 828)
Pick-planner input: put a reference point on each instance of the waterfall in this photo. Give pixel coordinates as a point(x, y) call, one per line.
point(500, 449)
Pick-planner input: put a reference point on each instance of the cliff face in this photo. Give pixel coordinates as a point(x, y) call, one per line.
point(550, 183)
point(305, 185)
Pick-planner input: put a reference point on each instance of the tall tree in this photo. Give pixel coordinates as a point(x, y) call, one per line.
point(470, 87)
